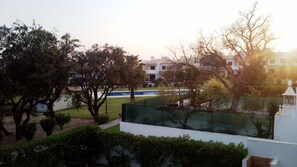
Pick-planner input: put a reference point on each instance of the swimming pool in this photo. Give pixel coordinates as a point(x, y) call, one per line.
point(137, 93)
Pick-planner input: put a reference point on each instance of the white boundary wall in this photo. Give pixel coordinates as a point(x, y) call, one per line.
point(284, 152)
point(150, 130)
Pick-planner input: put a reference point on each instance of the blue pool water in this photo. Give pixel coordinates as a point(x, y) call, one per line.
point(137, 93)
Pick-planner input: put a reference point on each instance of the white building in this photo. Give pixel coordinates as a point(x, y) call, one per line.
point(155, 67)
point(282, 59)
point(232, 61)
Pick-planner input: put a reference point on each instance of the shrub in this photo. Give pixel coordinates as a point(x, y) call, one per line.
point(77, 147)
point(48, 125)
point(157, 151)
point(62, 119)
point(28, 130)
point(72, 148)
point(102, 119)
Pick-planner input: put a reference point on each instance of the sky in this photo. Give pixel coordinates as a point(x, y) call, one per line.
point(147, 27)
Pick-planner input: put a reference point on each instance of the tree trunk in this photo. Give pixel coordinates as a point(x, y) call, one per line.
point(51, 110)
point(235, 102)
point(193, 98)
point(17, 119)
point(132, 95)
point(28, 113)
point(91, 112)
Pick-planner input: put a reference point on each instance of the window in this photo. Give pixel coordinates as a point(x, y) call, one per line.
point(163, 67)
point(152, 67)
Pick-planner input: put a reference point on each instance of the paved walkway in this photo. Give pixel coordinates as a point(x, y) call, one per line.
point(110, 124)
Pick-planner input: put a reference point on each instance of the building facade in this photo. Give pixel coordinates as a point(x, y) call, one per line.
point(154, 68)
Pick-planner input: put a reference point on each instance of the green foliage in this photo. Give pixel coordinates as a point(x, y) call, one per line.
point(98, 67)
point(156, 151)
point(169, 95)
point(71, 148)
point(219, 95)
point(62, 119)
point(102, 119)
point(28, 130)
point(48, 125)
point(78, 146)
point(40, 59)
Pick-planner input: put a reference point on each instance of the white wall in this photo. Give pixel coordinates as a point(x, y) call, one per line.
point(150, 130)
point(63, 103)
point(285, 125)
point(285, 152)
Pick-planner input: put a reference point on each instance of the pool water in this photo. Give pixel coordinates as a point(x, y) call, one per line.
point(137, 93)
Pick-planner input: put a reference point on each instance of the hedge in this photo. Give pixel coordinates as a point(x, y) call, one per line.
point(123, 149)
point(82, 145)
point(71, 148)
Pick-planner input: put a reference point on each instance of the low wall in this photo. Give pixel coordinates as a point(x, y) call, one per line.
point(63, 103)
point(284, 152)
point(150, 130)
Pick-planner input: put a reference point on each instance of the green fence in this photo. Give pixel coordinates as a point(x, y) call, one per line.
point(246, 103)
point(155, 112)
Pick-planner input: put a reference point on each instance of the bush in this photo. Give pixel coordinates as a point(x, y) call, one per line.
point(78, 146)
point(28, 130)
point(48, 125)
point(102, 119)
point(157, 151)
point(72, 148)
point(62, 119)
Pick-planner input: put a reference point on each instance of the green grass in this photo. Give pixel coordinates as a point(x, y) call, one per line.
point(114, 129)
point(114, 107)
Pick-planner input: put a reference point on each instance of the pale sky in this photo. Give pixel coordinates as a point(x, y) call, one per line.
point(147, 27)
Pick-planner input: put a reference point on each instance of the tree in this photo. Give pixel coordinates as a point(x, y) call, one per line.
point(19, 66)
point(133, 74)
point(4, 95)
point(29, 56)
point(58, 70)
point(98, 67)
point(216, 92)
point(247, 39)
point(183, 76)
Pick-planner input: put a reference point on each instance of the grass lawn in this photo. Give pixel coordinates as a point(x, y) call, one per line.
point(138, 89)
point(114, 107)
point(114, 129)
